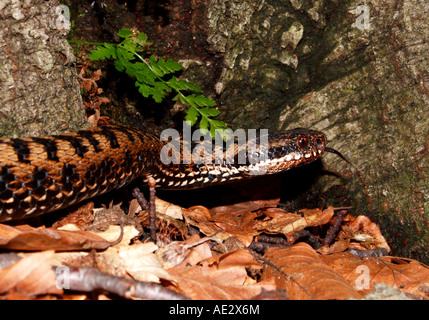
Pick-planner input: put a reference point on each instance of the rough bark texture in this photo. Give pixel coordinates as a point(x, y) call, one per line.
point(39, 93)
point(305, 63)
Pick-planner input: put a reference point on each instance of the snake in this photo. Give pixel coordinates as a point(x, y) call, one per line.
point(44, 174)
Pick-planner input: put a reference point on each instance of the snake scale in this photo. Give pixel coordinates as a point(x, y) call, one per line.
point(44, 174)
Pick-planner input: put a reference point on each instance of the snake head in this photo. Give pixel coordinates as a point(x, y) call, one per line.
point(288, 149)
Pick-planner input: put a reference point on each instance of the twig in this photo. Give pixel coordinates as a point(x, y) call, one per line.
point(86, 279)
point(312, 240)
point(272, 239)
point(261, 247)
point(148, 205)
point(152, 211)
point(333, 230)
point(140, 198)
point(121, 235)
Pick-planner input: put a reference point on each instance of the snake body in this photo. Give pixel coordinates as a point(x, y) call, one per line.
point(44, 174)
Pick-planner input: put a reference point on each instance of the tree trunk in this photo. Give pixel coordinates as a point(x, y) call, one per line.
point(360, 76)
point(39, 90)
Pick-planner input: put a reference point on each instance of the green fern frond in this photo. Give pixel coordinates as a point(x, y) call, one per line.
point(105, 51)
point(150, 74)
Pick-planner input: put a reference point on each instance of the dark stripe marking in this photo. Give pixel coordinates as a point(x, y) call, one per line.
point(142, 137)
point(76, 143)
point(21, 149)
point(49, 146)
point(90, 136)
point(111, 136)
point(68, 177)
point(126, 131)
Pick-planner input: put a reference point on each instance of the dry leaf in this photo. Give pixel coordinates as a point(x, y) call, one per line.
point(24, 237)
point(289, 223)
point(242, 207)
point(113, 233)
point(224, 224)
point(163, 207)
point(30, 276)
point(200, 217)
point(238, 226)
point(240, 257)
point(219, 278)
point(337, 246)
point(408, 275)
point(138, 260)
point(169, 209)
point(141, 262)
point(303, 275)
point(363, 232)
point(191, 251)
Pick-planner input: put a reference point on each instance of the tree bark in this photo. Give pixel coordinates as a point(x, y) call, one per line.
point(364, 82)
point(39, 92)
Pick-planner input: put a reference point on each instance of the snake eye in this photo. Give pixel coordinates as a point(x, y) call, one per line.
point(319, 142)
point(302, 142)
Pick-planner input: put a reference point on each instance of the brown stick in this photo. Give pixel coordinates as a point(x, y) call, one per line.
point(333, 230)
point(88, 279)
point(152, 210)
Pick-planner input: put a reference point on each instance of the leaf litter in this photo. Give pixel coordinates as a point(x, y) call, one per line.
point(243, 251)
